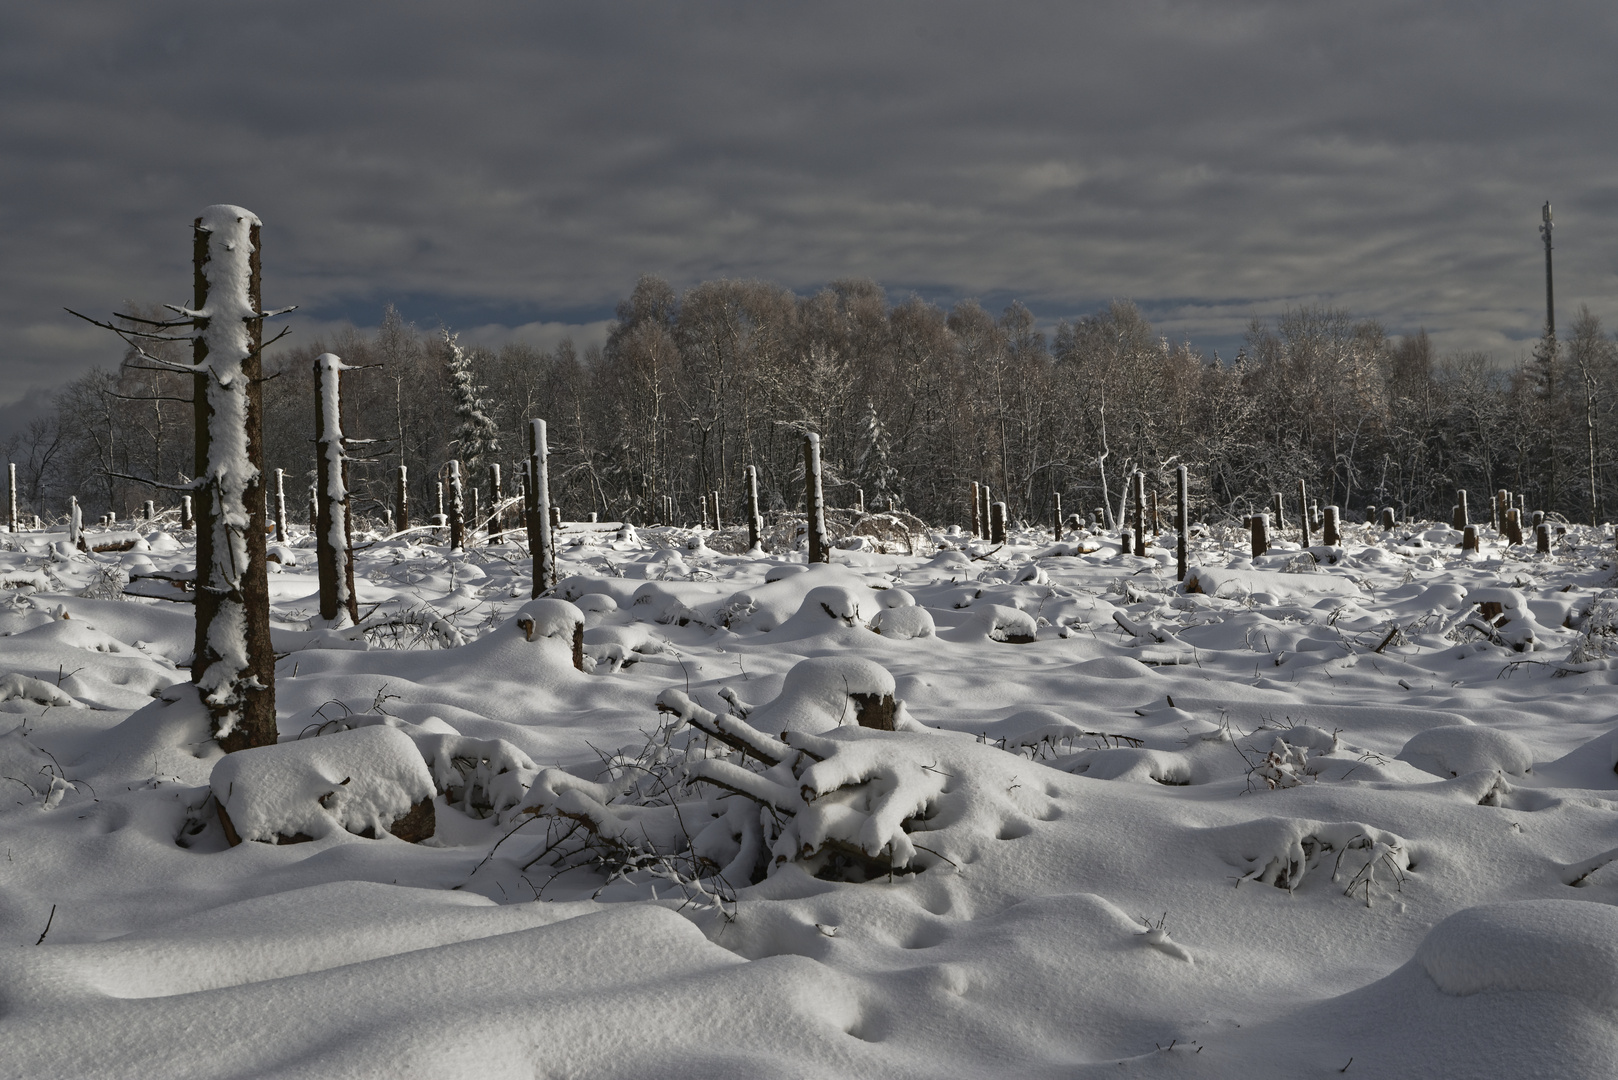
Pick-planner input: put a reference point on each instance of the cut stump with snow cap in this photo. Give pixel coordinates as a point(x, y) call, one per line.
point(367, 781)
point(556, 620)
point(826, 692)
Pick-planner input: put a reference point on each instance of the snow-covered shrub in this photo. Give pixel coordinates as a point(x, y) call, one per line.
point(1282, 851)
point(904, 622)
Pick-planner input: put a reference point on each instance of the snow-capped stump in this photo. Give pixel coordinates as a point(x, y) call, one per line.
point(1460, 749)
point(655, 602)
point(825, 692)
point(554, 620)
point(367, 781)
point(1550, 946)
point(904, 622)
point(1007, 624)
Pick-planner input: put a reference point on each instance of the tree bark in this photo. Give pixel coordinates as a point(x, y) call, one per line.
point(540, 539)
point(815, 501)
point(497, 532)
point(233, 662)
point(334, 554)
point(755, 520)
point(1182, 522)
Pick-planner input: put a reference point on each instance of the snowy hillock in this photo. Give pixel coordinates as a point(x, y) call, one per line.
point(1034, 809)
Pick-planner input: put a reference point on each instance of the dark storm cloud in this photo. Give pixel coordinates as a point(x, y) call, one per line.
point(517, 164)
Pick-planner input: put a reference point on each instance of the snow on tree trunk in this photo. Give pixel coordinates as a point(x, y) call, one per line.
point(1303, 513)
point(11, 489)
point(75, 522)
point(1331, 531)
point(1056, 515)
point(977, 523)
point(1182, 521)
point(457, 509)
point(280, 507)
point(1140, 513)
point(815, 501)
point(755, 520)
point(334, 556)
point(997, 523)
point(401, 500)
point(539, 525)
point(233, 664)
point(188, 520)
point(496, 495)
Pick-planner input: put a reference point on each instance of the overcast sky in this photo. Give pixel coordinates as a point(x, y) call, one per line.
point(510, 168)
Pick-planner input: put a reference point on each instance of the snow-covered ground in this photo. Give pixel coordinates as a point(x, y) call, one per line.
point(1314, 815)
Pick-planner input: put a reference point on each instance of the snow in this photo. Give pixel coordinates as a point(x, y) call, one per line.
point(329, 368)
point(1247, 831)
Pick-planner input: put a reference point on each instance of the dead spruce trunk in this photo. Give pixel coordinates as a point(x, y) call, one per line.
point(1261, 534)
point(1056, 515)
point(401, 500)
point(755, 520)
point(457, 509)
point(815, 501)
point(977, 523)
point(1303, 514)
point(280, 507)
point(997, 523)
point(233, 662)
point(334, 550)
point(539, 522)
point(1182, 522)
point(497, 532)
point(1140, 513)
point(1330, 531)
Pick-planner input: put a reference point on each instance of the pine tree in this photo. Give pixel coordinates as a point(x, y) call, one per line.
point(876, 473)
point(476, 436)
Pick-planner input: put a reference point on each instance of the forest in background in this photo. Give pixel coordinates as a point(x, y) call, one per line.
point(912, 403)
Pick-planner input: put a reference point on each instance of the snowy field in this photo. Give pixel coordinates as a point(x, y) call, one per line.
point(1340, 814)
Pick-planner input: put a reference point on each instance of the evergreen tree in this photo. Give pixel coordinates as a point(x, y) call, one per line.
point(476, 436)
point(876, 473)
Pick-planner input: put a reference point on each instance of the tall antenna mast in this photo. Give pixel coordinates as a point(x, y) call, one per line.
point(1550, 296)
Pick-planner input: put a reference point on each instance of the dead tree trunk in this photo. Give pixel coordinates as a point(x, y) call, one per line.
point(1388, 520)
point(401, 500)
point(755, 520)
point(497, 532)
point(1303, 514)
point(334, 554)
point(1140, 513)
point(1330, 530)
point(997, 523)
point(983, 510)
point(1056, 515)
point(1513, 526)
point(440, 518)
point(1280, 512)
point(187, 518)
point(539, 524)
point(977, 522)
point(280, 507)
point(457, 509)
point(1542, 539)
point(1261, 534)
point(1469, 538)
point(75, 523)
point(1182, 522)
point(1463, 516)
point(713, 501)
point(11, 501)
point(233, 662)
point(814, 498)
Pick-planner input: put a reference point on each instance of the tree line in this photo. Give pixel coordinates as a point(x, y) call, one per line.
point(912, 402)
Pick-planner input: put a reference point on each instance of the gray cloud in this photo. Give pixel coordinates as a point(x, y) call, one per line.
point(507, 164)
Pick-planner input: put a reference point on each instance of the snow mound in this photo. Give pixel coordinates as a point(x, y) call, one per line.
point(1131, 763)
point(904, 622)
point(361, 781)
point(1456, 751)
point(1008, 624)
point(1561, 946)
